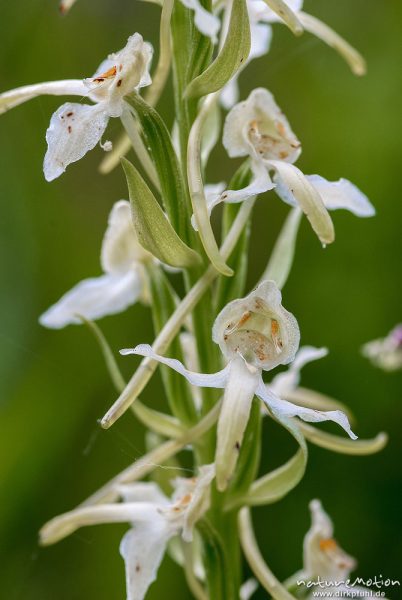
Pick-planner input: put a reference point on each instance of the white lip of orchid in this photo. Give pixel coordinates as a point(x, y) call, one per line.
point(123, 281)
point(258, 329)
point(322, 555)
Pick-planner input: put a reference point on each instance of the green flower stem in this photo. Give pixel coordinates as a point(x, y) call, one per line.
point(258, 565)
point(171, 328)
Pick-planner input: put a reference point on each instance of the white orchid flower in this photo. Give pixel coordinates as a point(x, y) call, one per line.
point(76, 128)
point(123, 282)
point(321, 554)
point(255, 334)
point(386, 353)
point(155, 519)
point(325, 561)
point(257, 128)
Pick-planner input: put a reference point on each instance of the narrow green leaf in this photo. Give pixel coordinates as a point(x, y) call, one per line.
point(154, 231)
point(233, 54)
point(159, 144)
point(276, 484)
point(229, 289)
point(281, 259)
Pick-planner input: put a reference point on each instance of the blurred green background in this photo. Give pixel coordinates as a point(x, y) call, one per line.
point(54, 387)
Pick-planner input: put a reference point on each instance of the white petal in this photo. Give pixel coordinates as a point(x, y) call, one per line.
point(120, 247)
point(207, 23)
point(307, 414)
point(230, 93)
point(233, 418)
point(213, 380)
point(12, 98)
point(261, 182)
point(142, 549)
point(142, 492)
point(248, 588)
point(74, 130)
point(94, 298)
point(260, 11)
point(261, 36)
point(286, 382)
point(292, 185)
point(64, 525)
point(342, 194)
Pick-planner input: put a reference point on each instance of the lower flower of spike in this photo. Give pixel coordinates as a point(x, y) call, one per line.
point(155, 519)
point(254, 333)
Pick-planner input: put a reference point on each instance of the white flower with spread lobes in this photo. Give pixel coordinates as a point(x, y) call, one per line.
point(257, 128)
point(155, 519)
point(255, 334)
point(76, 128)
point(386, 353)
point(123, 282)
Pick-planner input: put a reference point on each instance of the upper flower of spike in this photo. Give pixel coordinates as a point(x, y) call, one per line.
point(155, 519)
point(386, 353)
point(257, 128)
point(76, 128)
point(123, 282)
point(258, 329)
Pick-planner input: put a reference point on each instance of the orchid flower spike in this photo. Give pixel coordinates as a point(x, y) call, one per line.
point(255, 334)
point(76, 128)
point(258, 129)
point(155, 520)
point(386, 353)
point(124, 280)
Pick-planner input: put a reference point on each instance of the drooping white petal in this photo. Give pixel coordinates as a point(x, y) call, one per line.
point(239, 393)
point(12, 98)
point(342, 194)
point(142, 549)
point(74, 130)
point(306, 414)
point(120, 247)
point(213, 380)
point(321, 554)
point(286, 382)
point(94, 298)
point(207, 23)
point(292, 183)
point(261, 182)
